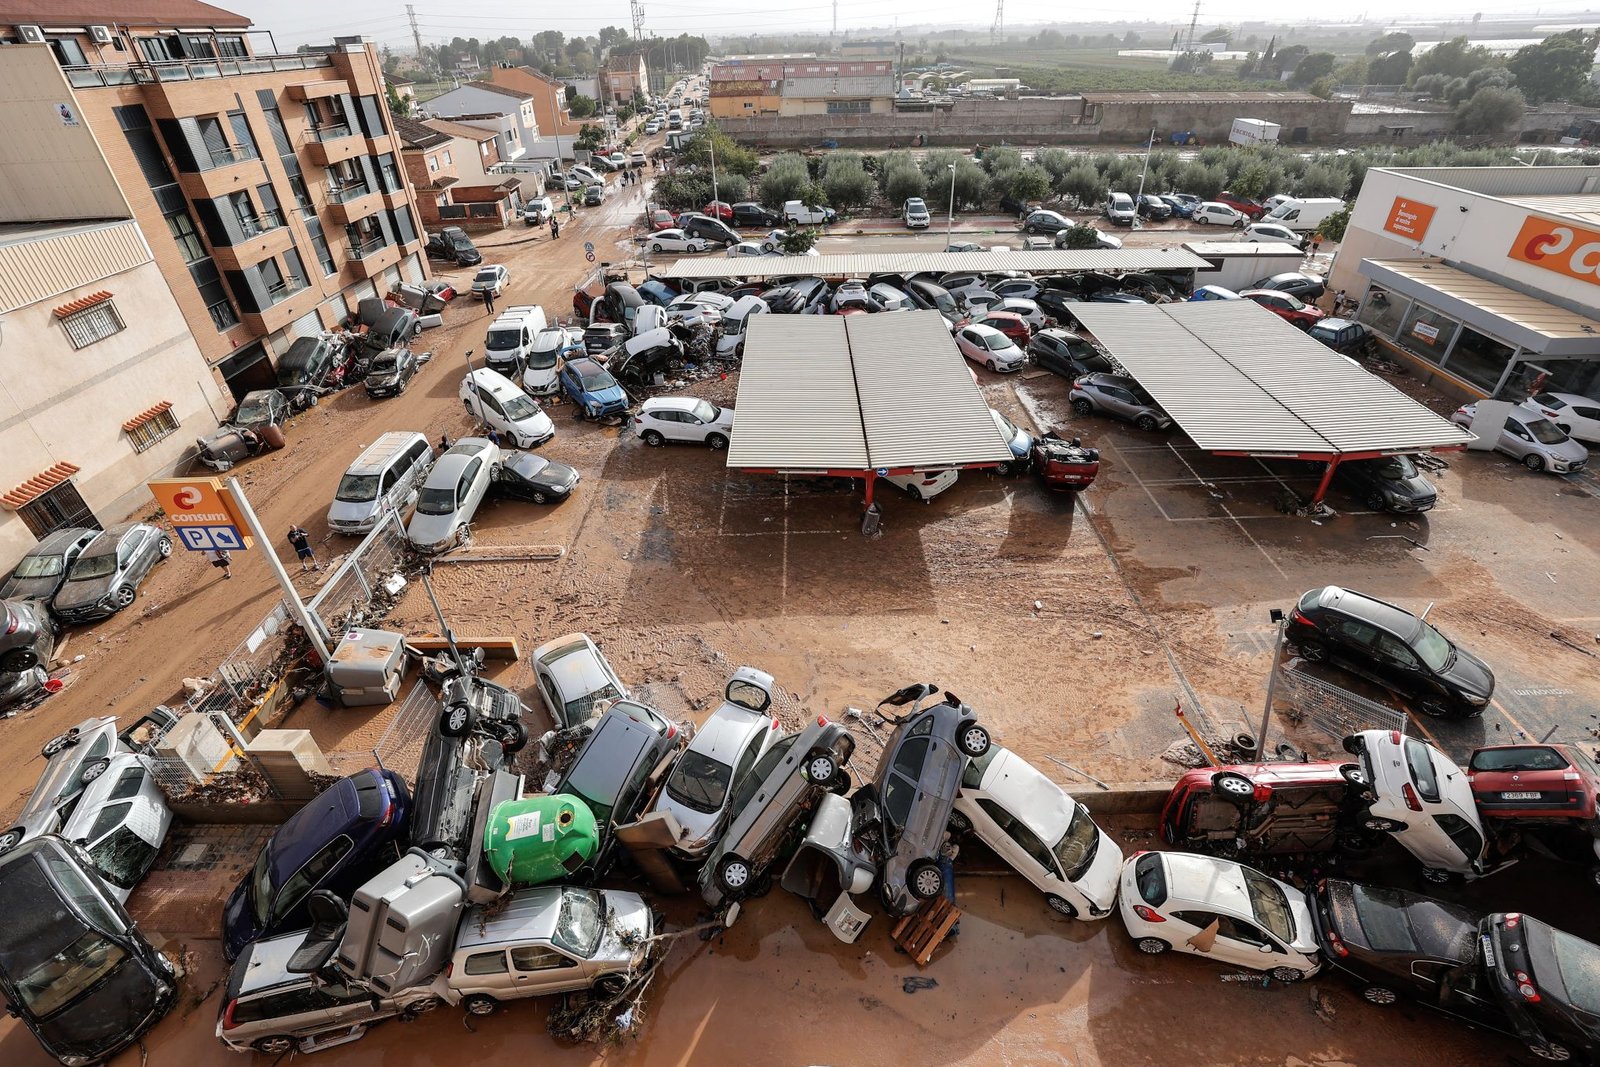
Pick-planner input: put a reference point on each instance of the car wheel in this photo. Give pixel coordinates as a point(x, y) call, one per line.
point(1377, 994)
point(1232, 786)
point(1061, 906)
point(456, 720)
point(925, 879)
point(57, 743)
point(1435, 875)
point(93, 770)
point(1381, 825)
point(1551, 1050)
point(839, 784)
point(1286, 974)
point(959, 824)
point(19, 660)
point(417, 1010)
point(611, 986)
point(653, 438)
point(989, 364)
point(479, 1004)
point(716, 442)
point(10, 840)
point(973, 739)
point(276, 1045)
point(733, 873)
point(1354, 775)
point(1533, 461)
point(1082, 407)
point(516, 739)
point(164, 546)
point(1435, 707)
point(1377, 501)
point(124, 596)
point(1312, 650)
point(1152, 946)
point(1147, 423)
point(913, 492)
point(1202, 221)
point(655, 247)
point(821, 767)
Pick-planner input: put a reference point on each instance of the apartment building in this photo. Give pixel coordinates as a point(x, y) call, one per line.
point(753, 85)
point(507, 111)
point(549, 100)
point(622, 77)
point(447, 164)
point(267, 186)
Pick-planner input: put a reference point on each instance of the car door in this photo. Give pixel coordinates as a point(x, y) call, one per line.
point(1399, 665)
point(1246, 944)
point(488, 972)
point(130, 560)
point(1188, 923)
point(540, 969)
point(1020, 847)
point(470, 489)
point(1515, 440)
point(1118, 400)
point(1583, 423)
point(312, 875)
point(1353, 643)
point(670, 425)
point(1051, 354)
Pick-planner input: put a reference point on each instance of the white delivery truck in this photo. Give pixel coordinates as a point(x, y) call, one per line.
point(1254, 131)
point(1304, 216)
point(1236, 264)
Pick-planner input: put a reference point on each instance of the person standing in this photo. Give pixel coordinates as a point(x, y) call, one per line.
point(555, 228)
point(302, 548)
point(488, 301)
point(1316, 242)
point(221, 560)
point(1338, 302)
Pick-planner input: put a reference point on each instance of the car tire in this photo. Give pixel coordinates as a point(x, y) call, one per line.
point(1312, 650)
point(1082, 407)
point(1238, 224)
point(1286, 975)
point(125, 596)
point(418, 1010)
point(1533, 461)
point(1147, 423)
point(734, 874)
point(655, 247)
point(456, 720)
point(839, 784)
point(92, 770)
point(1151, 946)
point(1553, 1051)
point(972, 739)
point(1436, 875)
point(653, 438)
point(913, 492)
point(610, 986)
point(1202, 221)
point(1377, 501)
point(924, 879)
point(959, 824)
point(1355, 776)
point(716, 442)
point(1380, 825)
point(821, 767)
point(516, 739)
point(57, 743)
point(1061, 906)
point(275, 1045)
point(1380, 995)
point(1232, 786)
point(540, 497)
point(479, 1004)
point(19, 660)
point(11, 839)
point(164, 547)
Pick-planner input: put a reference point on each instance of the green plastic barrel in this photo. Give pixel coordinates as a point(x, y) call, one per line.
point(539, 839)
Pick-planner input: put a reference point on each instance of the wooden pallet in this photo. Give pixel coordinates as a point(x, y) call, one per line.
point(925, 929)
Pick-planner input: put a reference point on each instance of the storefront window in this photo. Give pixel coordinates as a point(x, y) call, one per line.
point(1427, 333)
point(1381, 311)
point(1581, 376)
point(1479, 359)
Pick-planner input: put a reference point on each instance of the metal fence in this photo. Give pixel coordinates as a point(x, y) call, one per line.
point(362, 589)
point(400, 747)
point(1318, 706)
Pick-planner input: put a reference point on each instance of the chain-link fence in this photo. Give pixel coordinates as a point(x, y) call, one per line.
point(1323, 714)
point(362, 589)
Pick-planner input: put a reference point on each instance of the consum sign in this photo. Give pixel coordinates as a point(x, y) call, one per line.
point(1560, 247)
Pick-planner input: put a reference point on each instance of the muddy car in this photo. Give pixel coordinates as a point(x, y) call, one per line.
point(904, 814)
point(1265, 808)
point(1062, 465)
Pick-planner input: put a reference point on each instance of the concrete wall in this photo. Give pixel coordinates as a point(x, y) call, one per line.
point(52, 168)
point(1423, 126)
point(1132, 120)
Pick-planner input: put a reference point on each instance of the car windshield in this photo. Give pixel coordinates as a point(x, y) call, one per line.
point(1521, 758)
point(57, 980)
point(261, 887)
point(581, 922)
point(1420, 763)
point(1434, 648)
point(1007, 427)
point(706, 411)
point(545, 360)
point(500, 340)
point(519, 406)
point(487, 274)
point(1550, 400)
point(1269, 903)
point(700, 782)
point(1397, 468)
point(580, 708)
point(437, 499)
point(253, 408)
point(122, 857)
point(1545, 432)
point(1077, 846)
point(593, 383)
point(1293, 303)
point(38, 567)
point(385, 364)
point(994, 342)
point(87, 567)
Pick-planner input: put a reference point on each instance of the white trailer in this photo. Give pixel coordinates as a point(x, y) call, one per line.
point(1237, 265)
point(1254, 131)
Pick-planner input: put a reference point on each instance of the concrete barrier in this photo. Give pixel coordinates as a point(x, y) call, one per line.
point(1130, 798)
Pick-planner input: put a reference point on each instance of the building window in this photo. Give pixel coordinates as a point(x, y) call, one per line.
point(93, 324)
point(1478, 358)
point(144, 434)
point(445, 155)
point(302, 197)
point(68, 54)
point(433, 164)
point(849, 107)
point(57, 509)
point(182, 227)
point(231, 47)
point(1427, 332)
point(319, 244)
point(1383, 311)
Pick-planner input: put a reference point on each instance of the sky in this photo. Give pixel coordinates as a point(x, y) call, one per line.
point(294, 22)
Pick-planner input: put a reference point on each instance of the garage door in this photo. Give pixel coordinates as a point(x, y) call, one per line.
point(413, 266)
point(391, 279)
point(307, 325)
point(335, 309)
point(362, 290)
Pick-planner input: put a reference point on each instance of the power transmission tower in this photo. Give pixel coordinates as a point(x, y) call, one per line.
point(835, 18)
point(1193, 22)
point(416, 34)
point(997, 32)
point(637, 8)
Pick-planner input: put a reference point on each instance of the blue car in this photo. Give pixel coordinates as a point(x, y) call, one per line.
point(658, 293)
point(349, 832)
point(592, 389)
point(1181, 208)
point(1019, 440)
point(1213, 292)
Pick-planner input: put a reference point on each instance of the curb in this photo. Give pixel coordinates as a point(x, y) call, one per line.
point(1132, 798)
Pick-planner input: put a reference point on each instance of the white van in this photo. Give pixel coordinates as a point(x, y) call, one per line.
point(511, 338)
point(385, 475)
point(510, 413)
point(1304, 216)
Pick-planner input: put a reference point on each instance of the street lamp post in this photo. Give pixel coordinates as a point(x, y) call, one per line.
point(950, 216)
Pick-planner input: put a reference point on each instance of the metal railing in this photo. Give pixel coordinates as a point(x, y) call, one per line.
point(239, 153)
point(363, 588)
point(330, 131)
point(1304, 700)
point(97, 75)
point(345, 194)
point(368, 248)
point(256, 225)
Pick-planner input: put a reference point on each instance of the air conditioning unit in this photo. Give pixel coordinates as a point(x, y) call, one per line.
point(101, 34)
point(31, 34)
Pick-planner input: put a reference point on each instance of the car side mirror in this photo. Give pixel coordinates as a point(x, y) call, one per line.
point(1266, 948)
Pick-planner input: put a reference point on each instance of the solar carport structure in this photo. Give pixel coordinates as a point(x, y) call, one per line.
point(1241, 381)
point(866, 264)
point(858, 396)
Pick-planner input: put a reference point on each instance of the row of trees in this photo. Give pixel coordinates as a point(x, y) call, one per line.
point(558, 55)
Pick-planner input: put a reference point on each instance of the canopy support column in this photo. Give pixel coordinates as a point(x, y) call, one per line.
point(1327, 479)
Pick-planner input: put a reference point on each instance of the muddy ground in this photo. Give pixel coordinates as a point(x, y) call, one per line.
point(1072, 626)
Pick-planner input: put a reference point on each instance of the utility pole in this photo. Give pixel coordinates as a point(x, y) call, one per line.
point(997, 32)
point(636, 8)
point(315, 631)
point(1193, 22)
point(416, 34)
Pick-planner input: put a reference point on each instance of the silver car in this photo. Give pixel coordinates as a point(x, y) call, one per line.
point(121, 819)
point(105, 577)
point(450, 497)
point(1114, 394)
point(40, 573)
point(1533, 439)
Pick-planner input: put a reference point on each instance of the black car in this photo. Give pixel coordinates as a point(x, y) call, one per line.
point(1153, 207)
point(453, 244)
point(73, 966)
point(526, 476)
point(1544, 980)
point(613, 769)
point(711, 230)
point(387, 325)
point(1012, 206)
point(1391, 647)
point(1387, 483)
point(306, 365)
point(931, 297)
point(1058, 304)
point(1065, 353)
point(40, 573)
point(594, 196)
point(1039, 221)
point(1341, 335)
point(1307, 287)
point(390, 371)
point(603, 337)
point(799, 297)
point(755, 216)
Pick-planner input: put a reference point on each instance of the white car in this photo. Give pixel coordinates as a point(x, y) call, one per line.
point(978, 301)
point(550, 344)
point(1424, 800)
point(575, 681)
point(652, 127)
point(1024, 308)
point(923, 485)
point(915, 214)
point(586, 175)
point(1218, 908)
point(724, 749)
point(1574, 415)
point(1526, 435)
point(1211, 213)
point(1270, 232)
point(851, 293)
point(683, 418)
point(537, 210)
point(772, 241)
point(704, 308)
point(121, 819)
point(503, 408)
point(491, 278)
point(450, 497)
point(885, 297)
point(1045, 835)
point(990, 347)
point(674, 241)
point(1025, 288)
point(746, 248)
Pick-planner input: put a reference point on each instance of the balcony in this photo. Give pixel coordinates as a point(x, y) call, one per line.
point(98, 76)
point(331, 143)
point(368, 249)
point(267, 237)
point(227, 157)
point(368, 260)
point(352, 202)
point(290, 300)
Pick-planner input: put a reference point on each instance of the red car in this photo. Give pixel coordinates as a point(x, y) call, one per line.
point(1242, 204)
point(1265, 808)
point(1545, 782)
point(662, 219)
point(1062, 465)
point(719, 209)
point(1009, 323)
point(1285, 306)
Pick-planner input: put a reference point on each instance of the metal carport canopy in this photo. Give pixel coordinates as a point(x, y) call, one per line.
point(863, 264)
point(1239, 379)
point(857, 394)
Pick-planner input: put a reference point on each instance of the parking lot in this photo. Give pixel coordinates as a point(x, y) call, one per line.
point(1073, 626)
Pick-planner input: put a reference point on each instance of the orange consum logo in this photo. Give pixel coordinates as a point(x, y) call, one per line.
point(1559, 247)
point(1409, 218)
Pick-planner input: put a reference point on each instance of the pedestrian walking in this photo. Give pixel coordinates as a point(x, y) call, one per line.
point(302, 548)
point(488, 301)
point(221, 560)
point(1316, 243)
point(1338, 302)
point(555, 228)
point(948, 851)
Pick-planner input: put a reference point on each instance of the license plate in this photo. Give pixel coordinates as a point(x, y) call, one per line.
point(1519, 796)
point(1488, 950)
